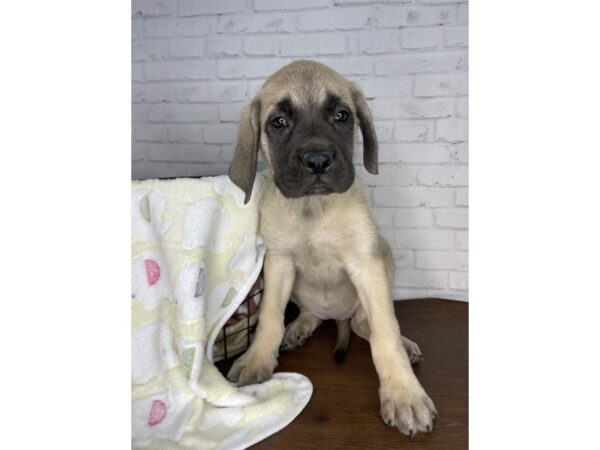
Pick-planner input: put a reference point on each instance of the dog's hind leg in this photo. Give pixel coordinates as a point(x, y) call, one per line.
point(297, 332)
point(343, 339)
point(360, 325)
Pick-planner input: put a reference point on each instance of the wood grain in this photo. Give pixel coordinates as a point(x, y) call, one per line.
point(343, 412)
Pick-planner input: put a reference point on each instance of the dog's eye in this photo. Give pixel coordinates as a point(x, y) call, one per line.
point(279, 122)
point(341, 116)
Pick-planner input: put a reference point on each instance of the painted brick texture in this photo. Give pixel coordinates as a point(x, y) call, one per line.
point(195, 64)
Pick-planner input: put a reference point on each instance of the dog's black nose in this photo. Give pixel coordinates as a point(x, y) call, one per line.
point(318, 162)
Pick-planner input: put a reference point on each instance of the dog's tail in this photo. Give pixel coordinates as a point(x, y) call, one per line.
point(343, 339)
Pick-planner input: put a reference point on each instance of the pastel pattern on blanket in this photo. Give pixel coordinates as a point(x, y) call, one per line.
point(195, 255)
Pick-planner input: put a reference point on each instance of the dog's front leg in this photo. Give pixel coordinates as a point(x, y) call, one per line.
point(259, 361)
point(404, 402)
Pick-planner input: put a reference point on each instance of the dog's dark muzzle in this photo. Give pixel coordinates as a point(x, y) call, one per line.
point(318, 162)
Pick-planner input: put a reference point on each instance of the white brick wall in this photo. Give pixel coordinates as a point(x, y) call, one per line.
point(196, 63)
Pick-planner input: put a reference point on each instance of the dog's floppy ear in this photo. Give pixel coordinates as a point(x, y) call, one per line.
point(367, 129)
point(242, 170)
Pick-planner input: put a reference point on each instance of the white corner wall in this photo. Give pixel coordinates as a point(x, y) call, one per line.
point(197, 63)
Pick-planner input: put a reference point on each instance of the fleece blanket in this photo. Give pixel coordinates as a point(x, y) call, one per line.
point(195, 256)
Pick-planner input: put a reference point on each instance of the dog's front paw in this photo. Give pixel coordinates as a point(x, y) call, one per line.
point(250, 369)
point(407, 407)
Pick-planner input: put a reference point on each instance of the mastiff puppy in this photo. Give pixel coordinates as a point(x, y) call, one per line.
point(322, 244)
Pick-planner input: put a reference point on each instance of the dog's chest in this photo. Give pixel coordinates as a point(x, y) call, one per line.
point(318, 261)
point(314, 246)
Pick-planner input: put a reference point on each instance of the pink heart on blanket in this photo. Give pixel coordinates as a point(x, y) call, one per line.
point(157, 412)
point(152, 271)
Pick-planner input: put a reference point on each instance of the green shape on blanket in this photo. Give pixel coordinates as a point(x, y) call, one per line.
point(229, 297)
point(187, 358)
point(145, 207)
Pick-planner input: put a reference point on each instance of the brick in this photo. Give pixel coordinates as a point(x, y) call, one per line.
point(452, 217)
point(231, 112)
point(456, 36)
point(236, 68)
point(441, 260)
point(196, 8)
point(462, 197)
point(261, 45)
point(413, 218)
point(139, 152)
point(352, 41)
point(452, 130)
point(462, 107)
point(333, 19)
point(413, 131)
point(463, 12)
point(179, 70)
point(138, 113)
point(254, 86)
point(422, 62)
point(414, 153)
point(410, 197)
point(443, 176)
point(384, 217)
point(383, 131)
point(165, 27)
point(348, 66)
point(420, 38)
point(313, 44)
point(403, 258)
point(273, 5)
point(152, 169)
point(213, 91)
point(388, 235)
point(351, 2)
point(256, 23)
point(379, 41)
point(150, 132)
point(389, 175)
point(421, 278)
point(153, 93)
point(458, 280)
point(224, 46)
point(137, 72)
point(374, 87)
point(192, 92)
point(402, 293)
point(220, 134)
point(228, 150)
point(423, 239)
point(180, 113)
point(201, 153)
point(149, 50)
point(395, 17)
point(137, 28)
point(437, 85)
point(185, 133)
point(186, 48)
point(148, 8)
point(461, 240)
point(412, 108)
point(459, 153)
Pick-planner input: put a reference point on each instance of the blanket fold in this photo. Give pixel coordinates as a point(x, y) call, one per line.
point(195, 256)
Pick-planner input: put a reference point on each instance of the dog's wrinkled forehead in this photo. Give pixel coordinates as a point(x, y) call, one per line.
point(305, 86)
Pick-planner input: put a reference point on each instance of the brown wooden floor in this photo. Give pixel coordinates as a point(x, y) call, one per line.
point(343, 412)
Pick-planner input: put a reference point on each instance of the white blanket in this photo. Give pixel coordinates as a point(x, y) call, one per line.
point(195, 255)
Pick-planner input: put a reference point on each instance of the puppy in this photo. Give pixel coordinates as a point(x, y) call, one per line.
point(322, 244)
